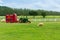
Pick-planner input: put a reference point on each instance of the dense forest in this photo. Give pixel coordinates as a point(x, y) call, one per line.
point(26, 12)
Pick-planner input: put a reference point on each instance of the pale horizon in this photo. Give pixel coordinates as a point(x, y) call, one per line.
point(52, 5)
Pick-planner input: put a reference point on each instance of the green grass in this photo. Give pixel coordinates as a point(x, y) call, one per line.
point(36, 17)
point(39, 17)
point(30, 31)
point(26, 31)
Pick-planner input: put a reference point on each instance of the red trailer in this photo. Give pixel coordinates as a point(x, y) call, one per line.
point(11, 18)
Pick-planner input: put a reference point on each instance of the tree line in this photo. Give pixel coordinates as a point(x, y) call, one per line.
point(25, 12)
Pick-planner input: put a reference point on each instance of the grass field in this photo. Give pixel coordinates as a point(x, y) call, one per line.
point(30, 31)
point(39, 17)
point(25, 31)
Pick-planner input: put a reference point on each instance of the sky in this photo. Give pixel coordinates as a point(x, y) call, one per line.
point(52, 5)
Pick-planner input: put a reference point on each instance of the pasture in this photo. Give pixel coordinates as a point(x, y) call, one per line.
point(30, 31)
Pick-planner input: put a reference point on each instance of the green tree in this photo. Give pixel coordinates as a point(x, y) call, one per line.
point(43, 14)
point(25, 12)
point(33, 13)
point(5, 10)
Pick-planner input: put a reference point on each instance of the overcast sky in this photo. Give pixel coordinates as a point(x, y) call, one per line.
point(53, 5)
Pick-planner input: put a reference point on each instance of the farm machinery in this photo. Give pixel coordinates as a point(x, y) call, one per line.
point(12, 18)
